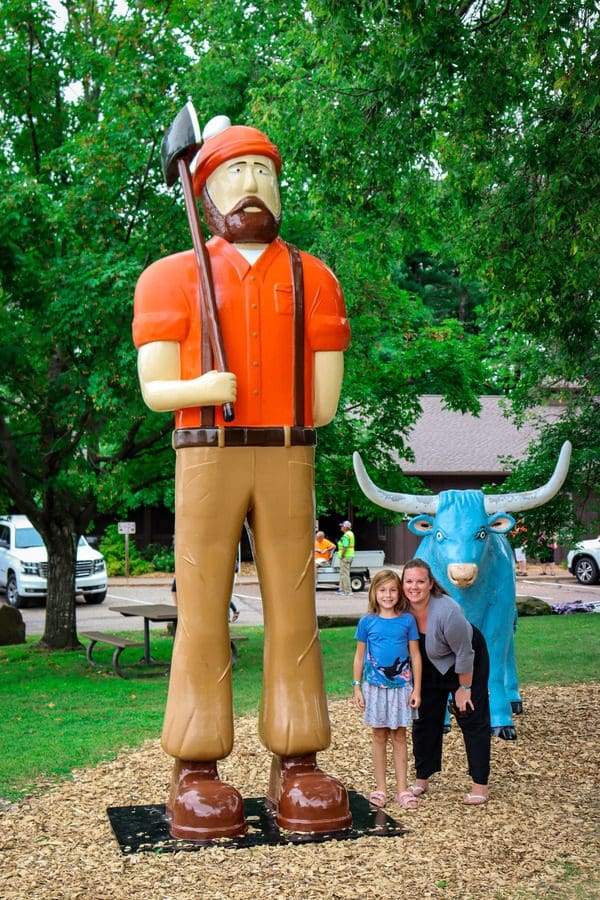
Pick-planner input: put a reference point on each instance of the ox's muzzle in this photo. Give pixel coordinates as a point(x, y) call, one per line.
point(462, 574)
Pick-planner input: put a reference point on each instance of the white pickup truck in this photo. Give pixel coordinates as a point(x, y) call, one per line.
point(360, 574)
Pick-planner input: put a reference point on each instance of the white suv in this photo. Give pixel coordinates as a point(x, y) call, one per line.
point(24, 564)
point(584, 561)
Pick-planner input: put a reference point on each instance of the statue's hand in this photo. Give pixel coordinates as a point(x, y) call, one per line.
point(215, 388)
point(163, 388)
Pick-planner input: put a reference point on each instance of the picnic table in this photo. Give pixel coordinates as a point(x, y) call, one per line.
point(150, 612)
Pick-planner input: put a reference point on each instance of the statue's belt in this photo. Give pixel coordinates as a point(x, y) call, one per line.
point(234, 436)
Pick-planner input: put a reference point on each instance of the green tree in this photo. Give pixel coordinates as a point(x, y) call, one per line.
point(441, 287)
point(357, 190)
point(87, 93)
point(82, 96)
point(461, 132)
point(527, 227)
point(467, 132)
point(84, 105)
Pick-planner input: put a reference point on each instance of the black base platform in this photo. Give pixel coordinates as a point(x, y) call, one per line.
point(140, 829)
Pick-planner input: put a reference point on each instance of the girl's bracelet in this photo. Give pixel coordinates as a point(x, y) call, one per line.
point(356, 683)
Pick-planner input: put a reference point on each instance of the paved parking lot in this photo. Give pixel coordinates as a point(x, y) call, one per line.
point(122, 593)
point(554, 590)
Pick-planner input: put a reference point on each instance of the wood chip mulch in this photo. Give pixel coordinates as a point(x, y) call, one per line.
point(535, 838)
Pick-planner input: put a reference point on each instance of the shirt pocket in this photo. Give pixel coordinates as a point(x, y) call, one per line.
point(284, 299)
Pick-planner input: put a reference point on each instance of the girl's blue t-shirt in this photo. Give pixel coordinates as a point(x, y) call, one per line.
point(387, 660)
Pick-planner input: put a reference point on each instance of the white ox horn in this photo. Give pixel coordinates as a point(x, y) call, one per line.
point(413, 504)
point(522, 500)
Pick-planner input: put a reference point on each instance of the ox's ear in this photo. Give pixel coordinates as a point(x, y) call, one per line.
point(421, 524)
point(500, 523)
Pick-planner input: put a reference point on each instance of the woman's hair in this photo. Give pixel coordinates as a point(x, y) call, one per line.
point(436, 589)
point(376, 582)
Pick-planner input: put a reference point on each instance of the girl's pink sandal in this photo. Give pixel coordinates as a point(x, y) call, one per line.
point(378, 798)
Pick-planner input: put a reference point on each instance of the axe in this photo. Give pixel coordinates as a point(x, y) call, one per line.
point(179, 145)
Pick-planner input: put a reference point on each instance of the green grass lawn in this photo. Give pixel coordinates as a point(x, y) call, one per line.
point(58, 713)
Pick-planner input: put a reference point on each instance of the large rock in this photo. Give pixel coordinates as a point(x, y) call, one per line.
point(12, 626)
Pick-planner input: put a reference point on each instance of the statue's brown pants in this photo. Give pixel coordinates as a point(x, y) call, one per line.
point(216, 489)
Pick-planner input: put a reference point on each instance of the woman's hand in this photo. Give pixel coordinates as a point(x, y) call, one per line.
point(359, 700)
point(463, 700)
point(415, 700)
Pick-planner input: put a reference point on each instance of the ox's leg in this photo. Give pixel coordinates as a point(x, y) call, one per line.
point(511, 679)
point(498, 641)
point(447, 722)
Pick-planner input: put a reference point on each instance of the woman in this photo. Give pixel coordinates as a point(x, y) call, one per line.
point(455, 661)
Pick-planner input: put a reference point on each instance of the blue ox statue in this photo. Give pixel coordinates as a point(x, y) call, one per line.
point(464, 543)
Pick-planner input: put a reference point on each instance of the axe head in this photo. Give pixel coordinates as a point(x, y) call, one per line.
point(181, 141)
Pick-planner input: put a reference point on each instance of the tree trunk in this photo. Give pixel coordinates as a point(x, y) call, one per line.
point(61, 626)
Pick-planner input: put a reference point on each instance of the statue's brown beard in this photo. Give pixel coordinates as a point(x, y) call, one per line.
point(239, 225)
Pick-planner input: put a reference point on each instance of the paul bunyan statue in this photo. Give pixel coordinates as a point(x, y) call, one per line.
point(243, 339)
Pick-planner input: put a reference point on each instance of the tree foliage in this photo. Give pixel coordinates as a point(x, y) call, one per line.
point(468, 133)
point(439, 157)
point(81, 105)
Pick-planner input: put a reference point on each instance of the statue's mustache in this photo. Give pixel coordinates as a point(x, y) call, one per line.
point(246, 202)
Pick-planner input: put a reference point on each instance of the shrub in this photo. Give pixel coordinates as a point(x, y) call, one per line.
point(112, 547)
point(163, 560)
point(532, 606)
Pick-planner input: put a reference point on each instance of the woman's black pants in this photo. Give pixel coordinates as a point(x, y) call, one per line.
point(428, 729)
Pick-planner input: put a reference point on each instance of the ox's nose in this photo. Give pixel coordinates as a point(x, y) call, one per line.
point(462, 574)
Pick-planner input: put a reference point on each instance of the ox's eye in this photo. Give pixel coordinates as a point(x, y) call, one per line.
point(481, 534)
point(439, 536)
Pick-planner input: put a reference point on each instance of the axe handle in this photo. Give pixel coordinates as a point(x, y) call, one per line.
point(206, 290)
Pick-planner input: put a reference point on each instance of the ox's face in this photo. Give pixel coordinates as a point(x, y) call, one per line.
point(461, 535)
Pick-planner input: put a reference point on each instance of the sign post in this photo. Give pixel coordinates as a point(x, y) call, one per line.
point(126, 528)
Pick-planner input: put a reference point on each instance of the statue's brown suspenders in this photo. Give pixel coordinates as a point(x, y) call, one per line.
point(207, 413)
point(298, 301)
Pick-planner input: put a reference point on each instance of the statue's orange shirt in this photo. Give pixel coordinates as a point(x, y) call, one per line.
point(256, 318)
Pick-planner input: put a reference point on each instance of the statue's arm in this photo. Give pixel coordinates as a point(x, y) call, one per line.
point(329, 372)
point(163, 389)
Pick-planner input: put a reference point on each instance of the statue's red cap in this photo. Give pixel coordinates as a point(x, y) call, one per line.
point(236, 140)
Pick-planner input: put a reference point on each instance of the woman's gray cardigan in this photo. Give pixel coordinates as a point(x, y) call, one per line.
point(449, 636)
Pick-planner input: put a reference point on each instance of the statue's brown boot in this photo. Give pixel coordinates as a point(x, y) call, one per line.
point(305, 798)
point(201, 806)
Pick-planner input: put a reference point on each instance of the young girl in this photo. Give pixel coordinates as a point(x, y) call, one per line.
point(387, 650)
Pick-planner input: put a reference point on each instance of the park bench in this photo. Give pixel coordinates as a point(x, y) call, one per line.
point(121, 643)
point(113, 640)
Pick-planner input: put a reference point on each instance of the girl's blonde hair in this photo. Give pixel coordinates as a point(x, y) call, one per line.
point(376, 582)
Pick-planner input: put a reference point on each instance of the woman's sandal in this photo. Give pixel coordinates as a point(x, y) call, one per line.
point(407, 799)
point(417, 790)
point(378, 798)
point(475, 800)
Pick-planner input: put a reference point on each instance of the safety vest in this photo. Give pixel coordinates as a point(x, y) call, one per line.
point(346, 545)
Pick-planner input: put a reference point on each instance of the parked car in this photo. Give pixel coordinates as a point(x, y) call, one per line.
point(584, 561)
point(24, 565)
